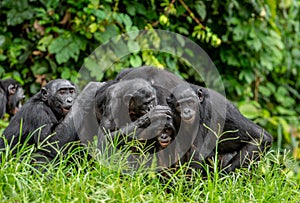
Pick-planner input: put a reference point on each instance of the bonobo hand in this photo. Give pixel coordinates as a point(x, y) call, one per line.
point(155, 120)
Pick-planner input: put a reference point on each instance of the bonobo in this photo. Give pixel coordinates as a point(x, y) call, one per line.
point(130, 106)
point(242, 140)
point(45, 110)
point(11, 96)
point(185, 104)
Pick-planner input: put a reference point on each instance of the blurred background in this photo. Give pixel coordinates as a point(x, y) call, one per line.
point(255, 46)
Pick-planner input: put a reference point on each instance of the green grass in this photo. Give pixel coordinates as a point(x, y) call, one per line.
point(76, 178)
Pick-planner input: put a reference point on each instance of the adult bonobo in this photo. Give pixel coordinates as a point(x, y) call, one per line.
point(129, 106)
point(45, 110)
point(135, 109)
point(11, 95)
point(241, 139)
point(185, 104)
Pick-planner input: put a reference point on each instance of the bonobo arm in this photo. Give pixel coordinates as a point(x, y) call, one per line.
point(46, 140)
point(3, 102)
point(145, 127)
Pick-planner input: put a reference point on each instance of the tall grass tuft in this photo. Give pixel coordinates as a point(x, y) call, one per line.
point(87, 174)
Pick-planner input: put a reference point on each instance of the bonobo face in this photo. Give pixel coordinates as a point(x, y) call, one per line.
point(185, 102)
point(60, 95)
point(141, 101)
point(15, 97)
point(166, 136)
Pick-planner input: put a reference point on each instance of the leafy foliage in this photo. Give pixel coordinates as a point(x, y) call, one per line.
point(254, 44)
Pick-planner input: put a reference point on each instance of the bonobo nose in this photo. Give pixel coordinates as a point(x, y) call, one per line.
point(187, 111)
point(163, 136)
point(69, 100)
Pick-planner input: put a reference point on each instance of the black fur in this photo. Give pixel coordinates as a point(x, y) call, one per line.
point(242, 140)
point(45, 110)
point(236, 149)
point(11, 95)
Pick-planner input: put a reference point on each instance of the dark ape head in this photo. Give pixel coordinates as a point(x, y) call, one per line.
point(14, 94)
point(127, 100)
point(140, 101)
point(185, 102)
point(167, 135)
point(59, 95)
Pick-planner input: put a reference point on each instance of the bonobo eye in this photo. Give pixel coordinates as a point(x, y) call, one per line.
point(62, 91)
point(168, 131)
point(72, 91)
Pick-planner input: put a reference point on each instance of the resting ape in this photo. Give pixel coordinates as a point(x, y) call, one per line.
point(46, 109)
point(136, 108)
point(11, 95)
point(129, 106)
point(243, 140)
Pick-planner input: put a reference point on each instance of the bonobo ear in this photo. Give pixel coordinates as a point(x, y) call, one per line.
point(44, 92)
point(11, 89)
point(200, 94)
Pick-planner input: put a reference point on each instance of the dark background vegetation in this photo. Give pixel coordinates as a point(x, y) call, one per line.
point(254, 44)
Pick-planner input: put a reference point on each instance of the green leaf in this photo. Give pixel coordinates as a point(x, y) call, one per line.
point(15, 17)
point(181, 40)
point(66, 73)
point(2, 57)
point(130, 9)
point(127, 21)
point(264, 90)
point(66, 46)
point(182, 30)
point(40, 68)
point(135, 61)
point(100, 14)
point(249, 110)
point(4, 41)
point(110, 31)
point(281, 94)
point(200, 9)
point(44, 42)
point(285, 111)
point(133, 46)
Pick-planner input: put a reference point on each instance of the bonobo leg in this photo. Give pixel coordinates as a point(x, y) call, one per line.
point(251, 151)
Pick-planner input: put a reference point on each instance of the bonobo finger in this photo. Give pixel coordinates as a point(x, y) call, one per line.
point(162, 109)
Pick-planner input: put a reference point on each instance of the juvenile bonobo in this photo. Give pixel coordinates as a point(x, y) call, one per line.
point(45, 110)
point(243, 141)
point(11, 96)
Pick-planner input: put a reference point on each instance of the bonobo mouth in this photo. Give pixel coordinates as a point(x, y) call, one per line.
point(66, 109)
point(14, 111)
point(164, 144)
point(187, 118)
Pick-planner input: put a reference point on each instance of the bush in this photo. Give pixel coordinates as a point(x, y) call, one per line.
point(254, 44)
